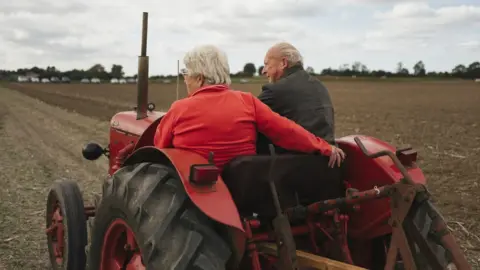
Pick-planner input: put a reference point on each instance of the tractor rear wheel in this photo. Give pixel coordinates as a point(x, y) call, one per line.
point(66, 226)
point(423, 221)
point(146, 220)
point(420, 214)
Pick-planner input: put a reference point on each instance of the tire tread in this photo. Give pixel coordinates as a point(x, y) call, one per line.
point(171, 231)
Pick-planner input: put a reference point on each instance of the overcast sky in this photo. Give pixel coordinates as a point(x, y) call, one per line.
point(379, 33)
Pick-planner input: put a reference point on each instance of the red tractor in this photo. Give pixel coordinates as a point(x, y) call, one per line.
point(173, 209)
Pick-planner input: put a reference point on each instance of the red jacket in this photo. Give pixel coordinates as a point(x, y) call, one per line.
point(225, 122)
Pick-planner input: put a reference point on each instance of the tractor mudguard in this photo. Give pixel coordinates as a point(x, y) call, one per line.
point(216, 202)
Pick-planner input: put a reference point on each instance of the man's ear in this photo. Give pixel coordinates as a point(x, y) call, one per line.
point(284, 63)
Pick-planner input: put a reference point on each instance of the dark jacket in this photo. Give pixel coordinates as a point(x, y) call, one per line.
point(303, 99)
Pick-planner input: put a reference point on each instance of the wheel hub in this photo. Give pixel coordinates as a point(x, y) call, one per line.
point(56, 233)
point(120, 250)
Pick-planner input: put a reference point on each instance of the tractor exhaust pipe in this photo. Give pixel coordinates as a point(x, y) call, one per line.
point(142, 77)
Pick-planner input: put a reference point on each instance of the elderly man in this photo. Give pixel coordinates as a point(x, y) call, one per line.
point(295, 94)
point(213, 118)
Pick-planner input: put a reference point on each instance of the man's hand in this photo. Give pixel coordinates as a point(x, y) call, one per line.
point(337, 157)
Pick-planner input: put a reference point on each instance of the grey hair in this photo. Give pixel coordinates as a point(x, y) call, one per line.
point(289, 51)
point(210, 62)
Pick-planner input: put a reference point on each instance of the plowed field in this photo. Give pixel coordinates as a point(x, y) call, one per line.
point(44, 126)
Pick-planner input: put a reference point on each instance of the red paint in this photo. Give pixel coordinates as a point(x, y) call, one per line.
point(215, 201)
point(122, 155)
point(125, 129)
point(252, 252)
point(56, 232)
point(363, 173)
point(115, 248)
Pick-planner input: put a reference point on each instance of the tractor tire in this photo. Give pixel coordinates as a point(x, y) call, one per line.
point(423, 221)
point(65, 206)
point(169, 230)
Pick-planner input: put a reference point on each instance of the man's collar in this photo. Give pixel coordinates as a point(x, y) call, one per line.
point(209, 88)
point(291, 70)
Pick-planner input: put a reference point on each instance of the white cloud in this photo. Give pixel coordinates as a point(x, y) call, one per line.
point(471, 45)
point(80, 33)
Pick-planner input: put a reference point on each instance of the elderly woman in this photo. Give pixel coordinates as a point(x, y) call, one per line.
point(214, 118)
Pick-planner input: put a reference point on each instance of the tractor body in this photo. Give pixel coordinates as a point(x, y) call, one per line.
point(174, 209)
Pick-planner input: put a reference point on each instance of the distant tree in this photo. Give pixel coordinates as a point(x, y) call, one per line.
point(459, 70)
point(473, 71)
point(419, 69)
point(260, 70)
point(51, 71)
point(117, 71)
point(381, 73)
point(310, 70)
point(344, 67)
point(404, 72)
point(97, 68)
point(97, 71)
point(364, 69)
point(474, 66)
point(356, 67)
point(401, 70)
point(327, 71)
point(249, 69)
point(399, 67)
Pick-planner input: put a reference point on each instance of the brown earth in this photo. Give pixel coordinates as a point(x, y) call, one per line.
point(441, 120)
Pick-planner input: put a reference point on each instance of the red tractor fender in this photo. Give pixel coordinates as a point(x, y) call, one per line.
point(216, 201)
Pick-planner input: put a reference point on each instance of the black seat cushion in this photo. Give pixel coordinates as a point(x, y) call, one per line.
point(307, 175)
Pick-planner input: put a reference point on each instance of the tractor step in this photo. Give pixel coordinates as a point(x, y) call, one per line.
point(310, 261)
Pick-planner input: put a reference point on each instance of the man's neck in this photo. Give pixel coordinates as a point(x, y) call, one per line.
point(291, 70)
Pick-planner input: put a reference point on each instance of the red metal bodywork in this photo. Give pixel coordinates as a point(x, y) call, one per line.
point(364, 173)
point(125, 129)
point(215, 201)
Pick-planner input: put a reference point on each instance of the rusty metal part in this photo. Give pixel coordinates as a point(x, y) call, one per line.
point(353, 197)
point(287, 259)
point(142, 76)
point(310, 261)
point(401, 201)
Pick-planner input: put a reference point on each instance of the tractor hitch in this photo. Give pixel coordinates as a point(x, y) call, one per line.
point(286, 248)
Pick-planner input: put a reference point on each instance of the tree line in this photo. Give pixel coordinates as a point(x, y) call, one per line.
point(96, 71)
point(471, 71)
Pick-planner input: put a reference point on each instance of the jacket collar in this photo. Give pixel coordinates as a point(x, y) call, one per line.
point(209, 88)
point(289, 71)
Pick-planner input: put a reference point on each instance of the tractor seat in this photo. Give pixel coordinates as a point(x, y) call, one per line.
point(307, 175)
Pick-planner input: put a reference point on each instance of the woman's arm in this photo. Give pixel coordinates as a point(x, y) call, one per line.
point(164, 134)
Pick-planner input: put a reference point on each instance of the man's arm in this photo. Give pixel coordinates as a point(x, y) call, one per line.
point(286, 133)
point(164, 134)
point(267, 96)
